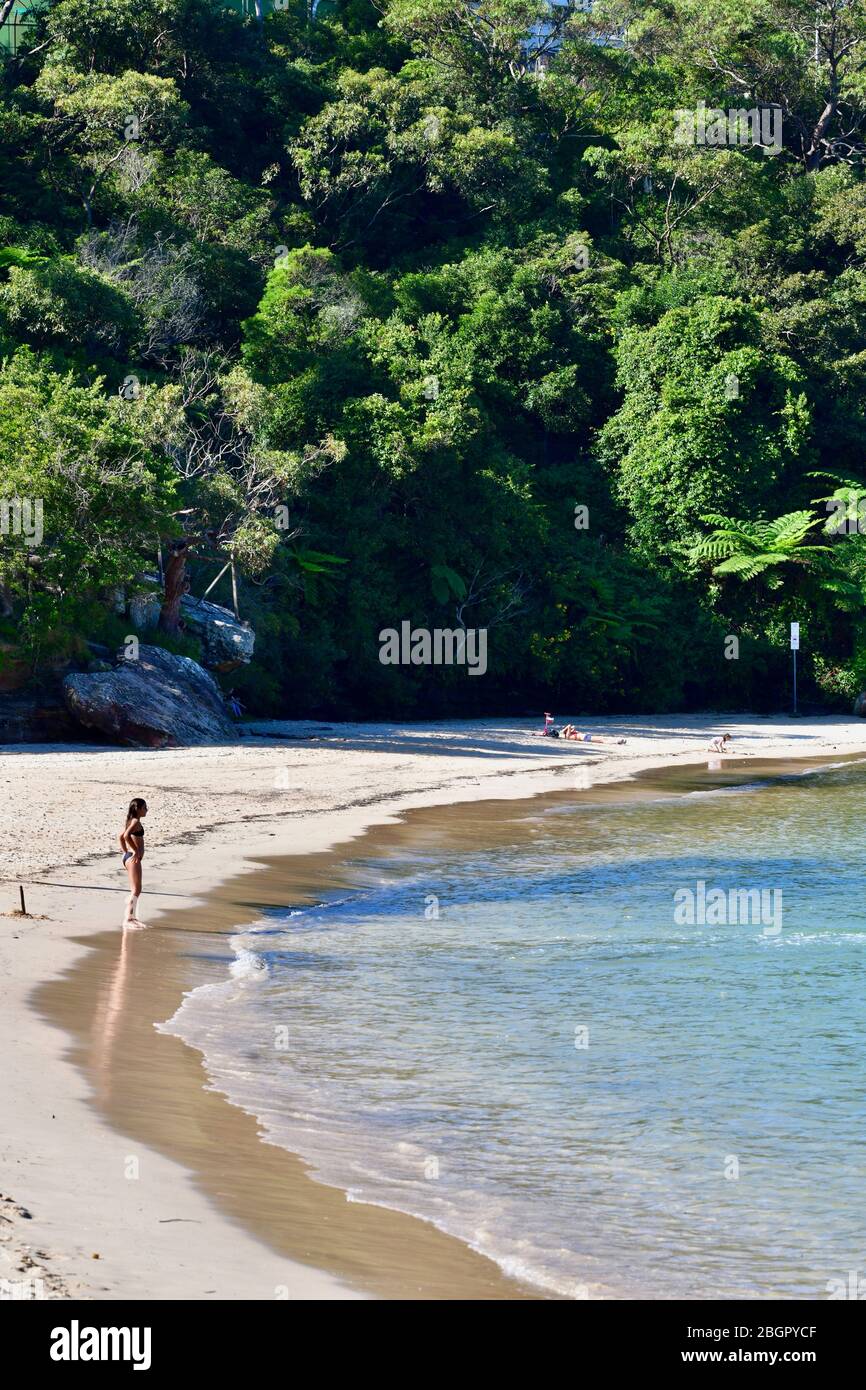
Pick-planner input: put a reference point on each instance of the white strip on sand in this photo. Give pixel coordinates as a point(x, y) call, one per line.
point(60, 813)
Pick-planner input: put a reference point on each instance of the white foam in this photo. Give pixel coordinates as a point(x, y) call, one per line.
point(248, 966)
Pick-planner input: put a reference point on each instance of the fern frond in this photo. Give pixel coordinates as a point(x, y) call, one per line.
point(791, 529)
point(748, 566)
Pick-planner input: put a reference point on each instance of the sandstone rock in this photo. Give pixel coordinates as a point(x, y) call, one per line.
point(226, 642)
point(144, 610)
point(158, 701)
point(36, 718)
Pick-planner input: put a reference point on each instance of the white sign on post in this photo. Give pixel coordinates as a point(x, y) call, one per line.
point(795, 637)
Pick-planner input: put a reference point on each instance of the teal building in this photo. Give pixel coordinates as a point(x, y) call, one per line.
point(16, 26)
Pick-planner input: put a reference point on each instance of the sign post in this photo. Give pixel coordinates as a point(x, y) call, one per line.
point(795, 647)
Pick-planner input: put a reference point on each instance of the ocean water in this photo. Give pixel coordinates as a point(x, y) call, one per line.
point(528, 1043)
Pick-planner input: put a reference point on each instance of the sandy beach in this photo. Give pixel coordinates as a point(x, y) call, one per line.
point(104, 1198)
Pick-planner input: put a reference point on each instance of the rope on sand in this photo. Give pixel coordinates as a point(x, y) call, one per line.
point(91, 887)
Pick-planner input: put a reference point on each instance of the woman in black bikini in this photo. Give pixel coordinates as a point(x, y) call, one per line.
point(132, 845)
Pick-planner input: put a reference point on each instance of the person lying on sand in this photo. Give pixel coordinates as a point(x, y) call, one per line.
point(571, 732)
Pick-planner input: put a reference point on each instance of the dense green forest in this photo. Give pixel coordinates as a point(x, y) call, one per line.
point(486, 314)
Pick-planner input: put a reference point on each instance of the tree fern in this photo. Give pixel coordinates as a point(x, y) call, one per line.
point(748, 548)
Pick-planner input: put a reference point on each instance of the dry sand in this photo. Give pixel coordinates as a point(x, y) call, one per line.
point(89, 1207)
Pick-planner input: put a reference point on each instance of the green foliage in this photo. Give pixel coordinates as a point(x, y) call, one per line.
point(711, 419)
point(73, 456)
point(18, 256)
point(375, 303)
point(99, 124)
point(748, 548)
point(446, 584)
point(111, 630)
point(58, 303)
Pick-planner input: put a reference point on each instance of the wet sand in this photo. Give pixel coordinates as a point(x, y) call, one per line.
point(151, 1087)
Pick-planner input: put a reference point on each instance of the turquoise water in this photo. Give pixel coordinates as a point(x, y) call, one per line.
point(605, 1100)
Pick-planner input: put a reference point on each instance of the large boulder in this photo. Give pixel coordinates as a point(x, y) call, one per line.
point(860, 705)
point(156, 701)
point(226, 642)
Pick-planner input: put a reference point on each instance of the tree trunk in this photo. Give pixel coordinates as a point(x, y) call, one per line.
point(176, 584)
point(814, 154)
point(5, 10)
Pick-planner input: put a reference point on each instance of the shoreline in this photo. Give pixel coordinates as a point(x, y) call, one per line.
point(156, 1234)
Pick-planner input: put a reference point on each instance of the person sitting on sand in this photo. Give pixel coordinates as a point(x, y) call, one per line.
point(131, 840)
point(571, 732)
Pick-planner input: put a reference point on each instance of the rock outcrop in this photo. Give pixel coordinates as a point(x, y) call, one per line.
point(144, 609)
point(157, 701)
point(226, 642)
point(860, 705)
point(36, 718)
